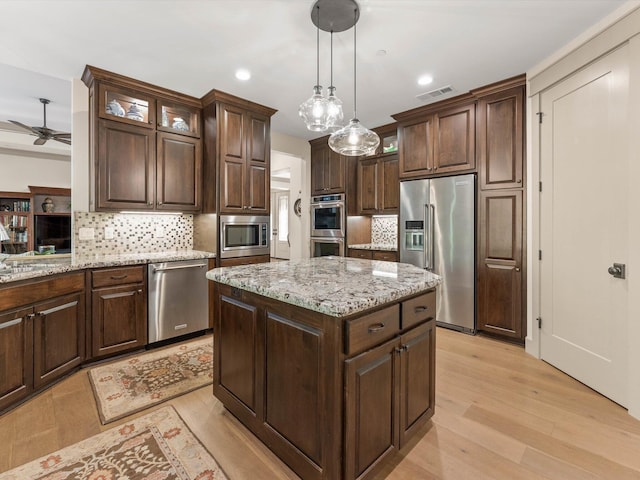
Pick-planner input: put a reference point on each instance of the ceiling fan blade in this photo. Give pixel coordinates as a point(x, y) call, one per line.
point(62, 135)
point(40, 141)
point(62, 140)
point(22, 125)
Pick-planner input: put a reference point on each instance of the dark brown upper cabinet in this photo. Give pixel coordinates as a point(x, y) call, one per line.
point(378, 188)
point(437, 142)
point(328, 170)
point(237, 144)
point(145, 145)
point(500, 139)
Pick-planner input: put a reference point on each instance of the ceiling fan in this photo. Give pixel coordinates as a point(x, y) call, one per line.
point(43, 133)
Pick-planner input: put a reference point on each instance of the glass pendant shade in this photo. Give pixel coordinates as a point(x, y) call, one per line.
point(314, 111)
point(354, 140)
point(335, 116)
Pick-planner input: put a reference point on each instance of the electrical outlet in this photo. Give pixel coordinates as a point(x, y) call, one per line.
point(159, 231)
point(109, 233)
point(86, 233)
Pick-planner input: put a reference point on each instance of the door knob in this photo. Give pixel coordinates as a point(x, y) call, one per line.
point(617, 270)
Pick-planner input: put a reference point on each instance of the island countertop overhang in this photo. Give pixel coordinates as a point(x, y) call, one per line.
point(335, 286)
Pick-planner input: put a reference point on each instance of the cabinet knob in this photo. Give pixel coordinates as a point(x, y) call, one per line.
point(149, 203)
point(428, 168)
point(517, 269)
point(519, 180)
point(139, 291)
point(159, 203)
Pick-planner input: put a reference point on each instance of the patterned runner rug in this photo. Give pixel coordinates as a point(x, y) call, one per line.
point(156, 446)
point(133, 384)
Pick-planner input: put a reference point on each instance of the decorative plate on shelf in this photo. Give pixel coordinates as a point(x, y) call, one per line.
point(297, 207)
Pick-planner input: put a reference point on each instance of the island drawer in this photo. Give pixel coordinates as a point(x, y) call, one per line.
point(117, 276)
point(417, 310)
point(372, 329)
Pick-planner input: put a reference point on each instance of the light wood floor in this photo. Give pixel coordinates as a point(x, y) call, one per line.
point(500, 414)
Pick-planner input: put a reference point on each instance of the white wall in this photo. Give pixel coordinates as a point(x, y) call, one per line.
point(622, 26)
point(23, 164)
point(293, 152)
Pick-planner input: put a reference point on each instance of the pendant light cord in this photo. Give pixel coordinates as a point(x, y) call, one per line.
point(331, 59)
point(318, 48)
point(355, 21)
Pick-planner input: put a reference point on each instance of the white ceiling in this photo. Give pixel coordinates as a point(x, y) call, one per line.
point(193, 46)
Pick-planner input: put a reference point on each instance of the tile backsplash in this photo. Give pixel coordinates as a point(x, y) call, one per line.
point(132, 233)
point(384, 230)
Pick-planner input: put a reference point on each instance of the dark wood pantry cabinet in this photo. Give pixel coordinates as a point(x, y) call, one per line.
point(501, 209)
point(145, 145)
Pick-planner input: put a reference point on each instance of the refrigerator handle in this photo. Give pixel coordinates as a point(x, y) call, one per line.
point(427, 240)
point(432, 224)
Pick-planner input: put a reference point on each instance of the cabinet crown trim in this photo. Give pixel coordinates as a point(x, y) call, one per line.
point(214, 96)
point(92, 74)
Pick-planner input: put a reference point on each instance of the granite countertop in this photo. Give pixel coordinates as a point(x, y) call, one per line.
point(24, 268)
point(375, 246)
point(336, 286)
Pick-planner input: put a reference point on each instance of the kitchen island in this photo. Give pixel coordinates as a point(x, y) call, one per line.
point(330, 361)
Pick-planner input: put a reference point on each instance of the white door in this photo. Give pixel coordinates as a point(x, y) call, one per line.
point(280, 225)
point(584, 225)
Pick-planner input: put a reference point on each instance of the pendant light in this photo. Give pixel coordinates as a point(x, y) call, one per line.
point(354, 139)
point(334, 104)
point(314, 110)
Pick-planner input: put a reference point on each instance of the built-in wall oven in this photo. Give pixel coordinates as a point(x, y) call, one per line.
point(323, 247)
point(243, 235)
point(328, 216)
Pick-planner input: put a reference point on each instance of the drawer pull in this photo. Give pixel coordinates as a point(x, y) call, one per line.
point(376, 327)
point(421, 308)
point(119, 277)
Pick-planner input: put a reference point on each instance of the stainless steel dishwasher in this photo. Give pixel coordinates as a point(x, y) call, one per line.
point(178, 298)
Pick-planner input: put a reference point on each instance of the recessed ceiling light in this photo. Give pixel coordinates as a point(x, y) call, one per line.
point(243, 74)
point(425, 80)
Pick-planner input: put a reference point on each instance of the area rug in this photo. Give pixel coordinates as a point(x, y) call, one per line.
point(133, 384)
point(156, 446)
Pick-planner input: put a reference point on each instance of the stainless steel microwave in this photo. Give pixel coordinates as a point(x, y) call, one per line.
point(244, 235)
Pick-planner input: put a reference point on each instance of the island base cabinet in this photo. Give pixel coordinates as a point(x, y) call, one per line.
point(236, 365)
point(58, 338)
point(417, 380)
point(389, 396)
point(371, 433)
point(16, 353)
point(333, 397)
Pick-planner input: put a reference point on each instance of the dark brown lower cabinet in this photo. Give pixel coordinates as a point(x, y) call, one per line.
point(58, 338)
point(417, 382)
point(371, 400)
point(16, 353)
point(500, 276)
point(42, 330)
point(288, 374)
point(118, 310)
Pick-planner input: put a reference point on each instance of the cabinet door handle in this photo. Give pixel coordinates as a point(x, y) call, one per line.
point(376, 327)
point(118, 277)
point(519, 180)
point(421, 308)
point(159, 203)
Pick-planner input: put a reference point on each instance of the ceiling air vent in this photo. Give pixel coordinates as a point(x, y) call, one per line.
point(433, 94)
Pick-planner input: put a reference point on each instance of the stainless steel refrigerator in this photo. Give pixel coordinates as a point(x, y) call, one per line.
point(437, 232)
